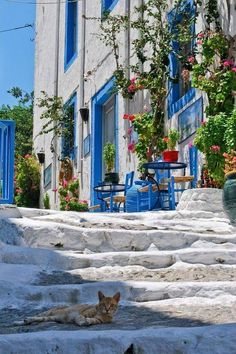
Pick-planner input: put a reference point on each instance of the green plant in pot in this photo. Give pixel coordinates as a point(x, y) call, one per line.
point(171, 154)
point(109, 155)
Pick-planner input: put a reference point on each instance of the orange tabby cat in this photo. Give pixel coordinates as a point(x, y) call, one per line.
point(82, 315)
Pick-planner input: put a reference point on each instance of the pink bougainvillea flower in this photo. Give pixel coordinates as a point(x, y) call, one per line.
point(55, 190)
point(131, 88)
point(27, 156)
point(215, 148)
point(190, 144)
point(83, 201)
point(203, 123)
point(165, 139)
point(67, 207)
point(126, 116)
point(131, 147)
point(149, 152)
point(75, 178)
point(131, 117)
point(129, 131)
point(191, 59)
point(234, 69)
point(64, 183)
point(199, 42)
point(133, 80)
point(228, 62)
point(67, 198)
point(200, 35)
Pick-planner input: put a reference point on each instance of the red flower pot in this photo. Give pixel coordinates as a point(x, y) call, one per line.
point(170, 155)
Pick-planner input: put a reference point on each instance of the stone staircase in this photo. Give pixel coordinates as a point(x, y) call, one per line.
point(176, 272)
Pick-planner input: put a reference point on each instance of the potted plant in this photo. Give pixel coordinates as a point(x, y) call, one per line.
point(229, 191)
point(109, 154)
point(170, 154)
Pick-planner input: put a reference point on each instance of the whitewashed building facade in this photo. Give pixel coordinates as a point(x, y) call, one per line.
point(72, 62)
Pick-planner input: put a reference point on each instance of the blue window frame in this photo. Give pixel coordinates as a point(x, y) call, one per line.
point(179, 93)
point(7, 139)
point(98, 102)
point(108, 5)
point(71, 34)
point(68, 139)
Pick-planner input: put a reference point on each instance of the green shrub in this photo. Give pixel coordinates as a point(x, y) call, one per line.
point(27, 181)
point(215, 137)
point(69, 196)
point(46, 201)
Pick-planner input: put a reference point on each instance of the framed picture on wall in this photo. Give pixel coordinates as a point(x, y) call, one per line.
point(86, 145)
point(47, 175)
point(190, 119)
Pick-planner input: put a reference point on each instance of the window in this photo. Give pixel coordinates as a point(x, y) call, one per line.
point(108, 5)
point(68, 139)
point(105, 127)
point(71, 32)
point(180, 91)
point(108, 124)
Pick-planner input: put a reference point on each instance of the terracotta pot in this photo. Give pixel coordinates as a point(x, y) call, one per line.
point(170, 155)
point(229, 196)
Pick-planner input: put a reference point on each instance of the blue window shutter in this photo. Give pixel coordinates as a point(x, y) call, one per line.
point(71, 32)
point(108, 5)
point(175, 100)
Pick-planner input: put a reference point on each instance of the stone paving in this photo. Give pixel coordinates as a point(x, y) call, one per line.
point(176, 273)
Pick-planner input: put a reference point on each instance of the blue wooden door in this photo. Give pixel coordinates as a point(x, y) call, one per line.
point(7, 135)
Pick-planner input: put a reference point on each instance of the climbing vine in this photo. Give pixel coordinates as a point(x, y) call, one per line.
point(151, 49)
point(57, 117)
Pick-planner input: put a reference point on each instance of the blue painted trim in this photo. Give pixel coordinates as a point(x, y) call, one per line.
point(7, 138)
point(68, 60)
point(183, 101)
point(107, 5)
point(116, 133)
point(175, 102)
point(98, 100)
point(73, 152)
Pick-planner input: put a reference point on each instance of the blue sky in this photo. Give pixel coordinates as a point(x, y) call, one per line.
point(16, 49)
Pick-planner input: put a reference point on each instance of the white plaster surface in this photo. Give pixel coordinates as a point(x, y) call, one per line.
point(216, 339)
point(176, 272)
point(9, 211)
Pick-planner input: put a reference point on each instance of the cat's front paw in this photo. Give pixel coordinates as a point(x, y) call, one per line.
point(81, 322)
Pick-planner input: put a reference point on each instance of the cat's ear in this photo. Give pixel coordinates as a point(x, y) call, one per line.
point(117, 297)
point(100, 296)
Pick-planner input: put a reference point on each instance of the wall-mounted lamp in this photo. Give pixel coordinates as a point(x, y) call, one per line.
point(41, 156)
point(84, 112)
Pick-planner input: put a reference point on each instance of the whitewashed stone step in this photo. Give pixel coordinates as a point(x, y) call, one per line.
point(179, 272)
point(68, 260)
point(218, 339)
point(16, 296)
point(48, 234)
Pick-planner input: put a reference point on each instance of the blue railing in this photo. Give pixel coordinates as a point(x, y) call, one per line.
point(7, 135)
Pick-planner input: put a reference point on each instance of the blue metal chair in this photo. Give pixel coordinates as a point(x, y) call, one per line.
point(170, 186)
point(119, 199)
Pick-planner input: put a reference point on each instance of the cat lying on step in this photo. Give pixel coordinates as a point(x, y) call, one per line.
point(82, 315)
